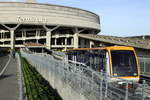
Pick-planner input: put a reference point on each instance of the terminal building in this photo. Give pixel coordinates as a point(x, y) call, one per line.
point(57, 27)
point(54, 26)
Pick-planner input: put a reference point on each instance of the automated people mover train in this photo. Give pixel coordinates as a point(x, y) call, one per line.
point(119, 62)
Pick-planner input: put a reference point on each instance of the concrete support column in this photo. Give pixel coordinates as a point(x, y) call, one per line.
point(76, 40)
point(65, 41)
point(82, 42)
point(91, 44)
point(62, 40)
point(37, 41)
point(12, 34)
point(49, 35)
point(3, 36)
point(48, 39)
point(55, 41)
point(76, 37)
point(23, 41)
point(72, 41)
point(25, 33)
point(37, 33)
point(22, 34)
point(0, 35)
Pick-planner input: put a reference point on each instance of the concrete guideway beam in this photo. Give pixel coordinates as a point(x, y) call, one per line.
point(49, 35)
point(12, 34)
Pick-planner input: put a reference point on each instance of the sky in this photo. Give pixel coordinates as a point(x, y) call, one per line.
point(117, 17)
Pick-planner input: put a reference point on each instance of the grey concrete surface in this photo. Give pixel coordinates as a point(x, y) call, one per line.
point(48, 14)
point(9, 88)
point(3, 61)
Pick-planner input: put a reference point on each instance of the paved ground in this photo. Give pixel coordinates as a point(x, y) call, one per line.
point(3, 61)
point(9, 88)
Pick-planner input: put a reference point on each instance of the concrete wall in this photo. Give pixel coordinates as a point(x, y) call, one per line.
point(35, 13)
point(65, 90)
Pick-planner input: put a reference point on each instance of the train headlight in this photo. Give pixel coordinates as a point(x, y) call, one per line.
point(135, 74)
point(120, 83)
point(115, 74)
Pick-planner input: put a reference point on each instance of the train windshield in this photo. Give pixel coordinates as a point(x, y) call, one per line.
point(123, 63)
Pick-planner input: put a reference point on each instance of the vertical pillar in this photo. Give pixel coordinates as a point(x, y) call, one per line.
point(48, 39)
point(39, 33)
point(49, 35)
point(37, 41)
point(76, 40)
point(23, 41)
point(25, 33)
point(82, 42)
point(55, 41)
point(3, 36)
point(72, 41)
point(36, 34)
point(65, 41)
point(22, 34)
point(76, 37)
point(91, 44)
point(12, 36)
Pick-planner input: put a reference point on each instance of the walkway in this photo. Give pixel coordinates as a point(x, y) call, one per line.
point(3, 61)
point(9, 88)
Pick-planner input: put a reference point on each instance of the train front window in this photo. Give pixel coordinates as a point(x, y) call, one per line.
point(123, 63)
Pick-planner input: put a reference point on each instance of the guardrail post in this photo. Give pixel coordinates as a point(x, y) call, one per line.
point(144, 66)
point(101, 85)
point(106, 87)
point(92, 86)
point(126, 95)
point(143, 89)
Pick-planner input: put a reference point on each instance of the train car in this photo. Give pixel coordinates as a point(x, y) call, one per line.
point(118, 62)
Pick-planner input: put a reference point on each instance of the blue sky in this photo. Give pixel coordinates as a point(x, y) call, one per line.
point(118, 17)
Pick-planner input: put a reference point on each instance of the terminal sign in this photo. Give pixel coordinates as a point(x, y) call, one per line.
point(31, 19)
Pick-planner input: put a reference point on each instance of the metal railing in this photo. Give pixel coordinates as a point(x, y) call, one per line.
point(85, 81)
point(144, 65)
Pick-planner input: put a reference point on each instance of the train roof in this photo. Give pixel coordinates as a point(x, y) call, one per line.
point(107, 47)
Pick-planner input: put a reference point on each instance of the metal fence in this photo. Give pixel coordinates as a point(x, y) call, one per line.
point(144, 65)
point(84, 81)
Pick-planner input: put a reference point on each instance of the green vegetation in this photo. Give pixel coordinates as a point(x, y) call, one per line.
point(37, 88)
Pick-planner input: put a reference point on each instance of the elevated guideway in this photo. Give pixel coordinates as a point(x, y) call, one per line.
point(136, 43)
point(76, 81)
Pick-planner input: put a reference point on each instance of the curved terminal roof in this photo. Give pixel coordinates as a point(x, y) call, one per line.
point(36, 13)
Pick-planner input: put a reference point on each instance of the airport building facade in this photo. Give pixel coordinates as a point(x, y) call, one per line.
point(53, 26)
